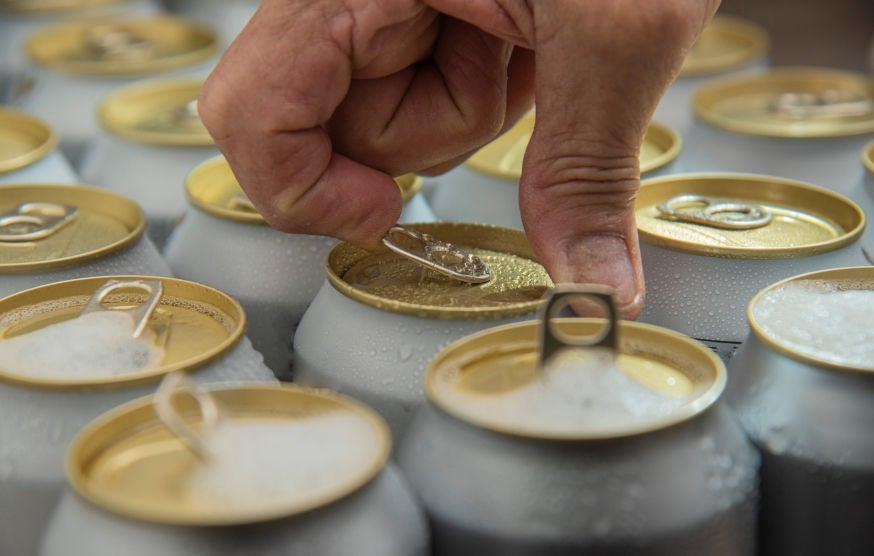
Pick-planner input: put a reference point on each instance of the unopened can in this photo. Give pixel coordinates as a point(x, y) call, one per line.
point(807, 124)
point(228, 17)
point(50, 233)
point(311, 478)
point(374, 325)
point(223, 241)
point(75, 65)
point(151, 139)
point(28, 151)
point(508, 457)
point(807, 406)
point(485, 189)
point(709, 242)
point(199, 329)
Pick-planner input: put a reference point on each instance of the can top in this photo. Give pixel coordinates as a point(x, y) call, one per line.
point(24, 140)
point(820, 318)
point(868, 157)
point(156, 112)
point(121, 47)
point(715, 215)
point(790, 102)
point(389, 282)
point(502, 158)
point(46, 227)
point(38, 6)
point(189, 324)
point(726, 44)
point(549, 380)
point(301, 450)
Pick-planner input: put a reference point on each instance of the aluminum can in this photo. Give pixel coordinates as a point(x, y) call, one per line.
point(523, 480)
point(809, 414)
point(74, 66)
point(728, 46)
point(228, 17)
point(151, 139)
point(701, 273)
point(223, 241)
point(485, 189)
point(807, 124)
point(379, 318)
point(863, 195)
point(201, 330)
point(52, 233)
point(28, 151)
point(363, 508)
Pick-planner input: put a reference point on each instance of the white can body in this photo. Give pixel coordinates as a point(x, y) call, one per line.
point(53, 168)
point(417, 209)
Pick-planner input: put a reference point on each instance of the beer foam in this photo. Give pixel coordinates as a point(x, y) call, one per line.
point(820, 319)
point(255, 463)
point(90, 346)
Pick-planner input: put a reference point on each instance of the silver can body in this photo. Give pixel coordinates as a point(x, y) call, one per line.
point(417, 209)
point(687, 489)
point(37, 424)
point(53, 168)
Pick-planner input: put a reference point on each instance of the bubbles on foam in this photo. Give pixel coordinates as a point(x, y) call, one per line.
point(828, 320)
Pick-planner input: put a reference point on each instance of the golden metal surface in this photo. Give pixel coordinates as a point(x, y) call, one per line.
point(127, 462)
point(727, 43)
point(868, 157)
point(24, 140)
point(197, 324)
point(104, 224)
point(500, 360)
point(751, 104)
point(807, 220)
point(410, 184)
point(389, 282)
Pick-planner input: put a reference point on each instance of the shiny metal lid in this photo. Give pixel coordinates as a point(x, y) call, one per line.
point(156, 112)
point(127, 462)
point(121, 47)
point(24, 140)
point(193, 323)
point(389, 282)
point(802, 219)
point(727, 43)
point(502, 158)
point(46, 227)
point(476, 379)
point(868, 157)
point(790, 102)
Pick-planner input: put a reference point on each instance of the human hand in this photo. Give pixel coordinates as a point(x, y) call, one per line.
point(318, 103)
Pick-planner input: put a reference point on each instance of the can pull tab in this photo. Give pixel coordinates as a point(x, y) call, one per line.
point(552, 342)
point(35, 220)
point(437, 255)
point(175, 384)
point(115, 42)
point(141, 313)
point(830, 103)
point(713, 212)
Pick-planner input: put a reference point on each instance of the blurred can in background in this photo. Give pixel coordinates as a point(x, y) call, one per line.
point(28, 151)
point(228, 17)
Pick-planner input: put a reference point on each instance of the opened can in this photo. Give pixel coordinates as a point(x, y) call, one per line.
point(51, 233)
point(374, 325)
point(710, 242)
point(802, 385)
point(579, 436)
point(71, 350)
point(28, 151)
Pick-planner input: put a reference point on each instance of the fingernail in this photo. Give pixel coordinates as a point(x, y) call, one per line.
point(604, 260)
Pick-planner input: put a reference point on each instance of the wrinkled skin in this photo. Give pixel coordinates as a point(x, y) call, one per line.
point(319, 102)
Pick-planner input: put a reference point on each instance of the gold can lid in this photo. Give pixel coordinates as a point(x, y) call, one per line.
point(390, 282)
point(410, 184)
point(158, 112)
point(868, 157)
point(277, 451)
point(187, 324)
point(522, 379)
point(727, 43)
point(24, 140)
point(745, 216)
point(40, 6)
point(790, 102)
point(820, 318)
point(122, 47)
point(46, 227)
point(502, 158)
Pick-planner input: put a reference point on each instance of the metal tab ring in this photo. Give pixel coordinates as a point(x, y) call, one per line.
point(177, 383)
point(753, 216)
point(551, 343)
point(440, 256)
point(39, 220)
point(141, 313)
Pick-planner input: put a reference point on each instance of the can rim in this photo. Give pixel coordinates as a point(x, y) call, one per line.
point(409, 184)
point(98, 432)
point(36, 127)
point(700, 404)
point(761, 253)
point(755, 33)
point(856, 272)
point(230, 306)
point(668, 140)
point(192, 179)
point(868, 157)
